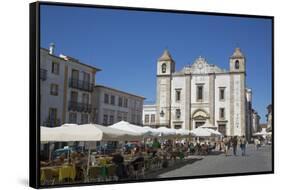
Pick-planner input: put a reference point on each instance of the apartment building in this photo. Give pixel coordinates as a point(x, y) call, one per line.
point(112, 105)
point(66, 89)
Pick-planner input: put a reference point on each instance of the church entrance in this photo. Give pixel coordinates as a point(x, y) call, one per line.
point(199, 118)
point(199, 123)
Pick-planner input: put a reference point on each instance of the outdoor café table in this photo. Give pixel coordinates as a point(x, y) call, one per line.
point(52, 169)
point(63, 172)
point(66, 172)
point(103, 168)
point(104, 160)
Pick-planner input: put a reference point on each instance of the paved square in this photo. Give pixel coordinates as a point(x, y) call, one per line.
point(254, 161)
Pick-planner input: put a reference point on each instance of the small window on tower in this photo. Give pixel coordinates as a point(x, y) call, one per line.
point(164, 66)
point(236, 64)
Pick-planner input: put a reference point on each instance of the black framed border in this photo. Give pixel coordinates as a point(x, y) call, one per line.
point(34, 90)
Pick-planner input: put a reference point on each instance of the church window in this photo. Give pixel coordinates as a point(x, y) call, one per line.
point(199, 93)
point(178, 113)
point(178, 95)
point(221, 113)
point(236, 64)
point(164, 67)
point(222, 93)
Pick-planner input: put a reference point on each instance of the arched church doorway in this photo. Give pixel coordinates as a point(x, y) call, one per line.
point(199, 118)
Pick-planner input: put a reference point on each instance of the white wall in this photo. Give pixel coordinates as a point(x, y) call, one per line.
point(223, 81)
point(178, 82)
point(135, 105)
point(48, 100)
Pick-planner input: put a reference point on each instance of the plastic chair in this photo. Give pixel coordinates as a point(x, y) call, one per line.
point(94, 173)
point(50, 176)
point(111, 172)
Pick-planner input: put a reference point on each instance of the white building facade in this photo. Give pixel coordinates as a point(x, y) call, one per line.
point(256, 122)
point(112, 105)
point(149, 115)
point(66, 89)
point(201, 92)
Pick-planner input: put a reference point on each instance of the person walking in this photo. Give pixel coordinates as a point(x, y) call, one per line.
point(257, 143)
point(226, 145)
point(243, 143)
point(234, 145)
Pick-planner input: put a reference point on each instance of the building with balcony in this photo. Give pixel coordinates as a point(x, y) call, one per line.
point(66, 89)
point(112, 105)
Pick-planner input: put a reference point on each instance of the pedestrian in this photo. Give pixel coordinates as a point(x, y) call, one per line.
point(257, 143)
point(234, 145)
point(243, 143)
point(226, 145)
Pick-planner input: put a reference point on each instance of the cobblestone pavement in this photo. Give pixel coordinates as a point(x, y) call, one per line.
point(254, 161)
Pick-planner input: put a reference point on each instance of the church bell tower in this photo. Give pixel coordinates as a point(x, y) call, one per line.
point(237, 61)
point(165, 69)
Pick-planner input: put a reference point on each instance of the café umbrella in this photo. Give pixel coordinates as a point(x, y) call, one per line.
point(86, 132)
point(154, 132)
point(126, 126)
point(205, 132)
point(201, 132)
point(184, 132)
point(166, 132)
point(208, 125)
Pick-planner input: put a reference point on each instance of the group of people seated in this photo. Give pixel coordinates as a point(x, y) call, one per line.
point(78, 160)
point(155, 152)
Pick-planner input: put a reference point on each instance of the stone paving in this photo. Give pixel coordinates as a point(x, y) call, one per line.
point(254, 161)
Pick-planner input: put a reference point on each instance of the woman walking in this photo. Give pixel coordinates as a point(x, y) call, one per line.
point(226, 145)
point(243, 143)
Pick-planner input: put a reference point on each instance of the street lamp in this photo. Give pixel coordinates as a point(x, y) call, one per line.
point(162, 113)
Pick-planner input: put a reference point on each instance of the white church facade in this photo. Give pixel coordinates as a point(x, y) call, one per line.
point(200, 93)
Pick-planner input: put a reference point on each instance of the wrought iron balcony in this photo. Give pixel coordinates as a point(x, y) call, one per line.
point(51, 122)
point(79, 106)
point(43, 74)
point(81, 85)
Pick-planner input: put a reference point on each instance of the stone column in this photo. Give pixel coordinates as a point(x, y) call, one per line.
point(242, 103)
point(212, 98)
point(65, 87)
point(157, 116)
point(231, 106)
point(187, 102)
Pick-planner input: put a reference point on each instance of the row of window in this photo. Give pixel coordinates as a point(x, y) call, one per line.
point(110, 99)
point(178, 115)
point(199, 93)
point(152, 118)
point(73, 94)
point(54, 91)
point(109, 119)
point(72, 117)
point(74, 73)
point(74, 97)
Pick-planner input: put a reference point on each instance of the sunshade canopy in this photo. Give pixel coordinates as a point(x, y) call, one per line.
point(205, 132)
point(208, 125)
point(126, 126)
point(87, 132)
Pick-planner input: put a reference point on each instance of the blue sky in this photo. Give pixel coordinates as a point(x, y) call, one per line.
point(126, 45)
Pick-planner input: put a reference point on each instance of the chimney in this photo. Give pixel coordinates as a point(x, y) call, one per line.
point(52, 48)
